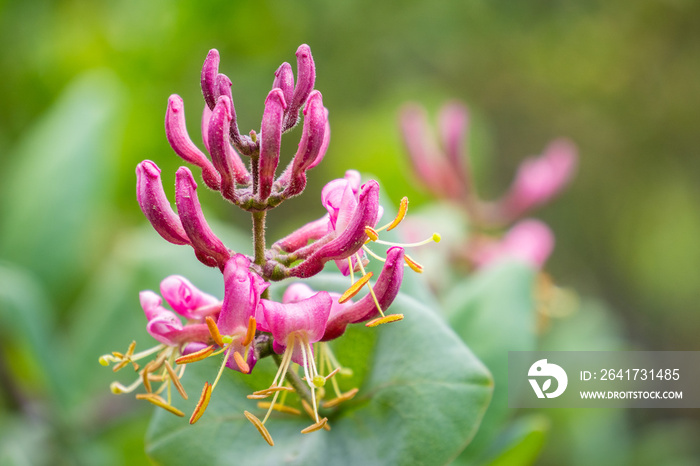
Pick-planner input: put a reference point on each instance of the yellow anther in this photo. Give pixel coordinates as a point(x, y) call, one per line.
point(371, 233)
point(403, 208)
point(314, 427)
point(160, 402)
point(258, 397)
point(384, 320)
point(242, 365)
point(271, 390)
point(355, 288)
point(415, 266)
point(310, 411)
point(346, 372)
point(176, 380)
point(278, 407)
point(349, 395)
point(145, 377)
point(214, 331)
point(250, 333)
point(118, 355)
point(196, 356)
point(436, 237)
point(261, 428)
point(201, 404)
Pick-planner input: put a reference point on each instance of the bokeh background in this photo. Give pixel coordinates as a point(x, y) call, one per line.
point(83, 93)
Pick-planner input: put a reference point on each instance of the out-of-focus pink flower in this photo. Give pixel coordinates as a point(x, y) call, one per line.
point(443, 172)
point(529, 240)
point(540, 179)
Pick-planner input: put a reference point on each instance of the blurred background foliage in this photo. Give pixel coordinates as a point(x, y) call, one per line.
point(84, 89)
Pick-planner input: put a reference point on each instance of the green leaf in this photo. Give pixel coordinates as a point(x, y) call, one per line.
point(55, 188)
point(422, 395)
point(493, 312)
point(522, 442)
point(26, 319)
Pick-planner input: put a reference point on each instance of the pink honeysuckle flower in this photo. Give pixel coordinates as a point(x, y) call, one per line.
point(540, 179)
point(270, 141)
point(179, 139)
point(166, 327)
point(528, 240)
point(385, 290)
point(203, 240)
point(155, 205)
point(295, 325)
point(299, 291)
point(440, 173)
point(347, 236)
point(188, 300)
point(242, 290)
point(341, 199)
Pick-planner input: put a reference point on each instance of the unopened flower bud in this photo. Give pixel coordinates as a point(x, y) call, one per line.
point(209, 79)
point(179, 139)
point(224, 157)
point(306, 77)
point(198, 231)
point(270, 141)
point(155, 206)
point(284, 79)
point(312, 139)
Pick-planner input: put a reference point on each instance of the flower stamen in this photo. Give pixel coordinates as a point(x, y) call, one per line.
point(175, 380)
point(260, 426)
point(214, 331)
point(355, 288)
point(279, 407)
point(349, 395)
point(385, 319)
point(196, 356)
point(202, 403)
point(160, 402)
point(415, 266)
point(314, 427)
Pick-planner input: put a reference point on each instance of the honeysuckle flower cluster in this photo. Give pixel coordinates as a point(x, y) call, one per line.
point(246, 325)
point(443, 168)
